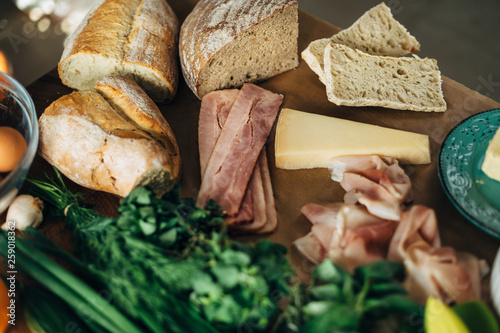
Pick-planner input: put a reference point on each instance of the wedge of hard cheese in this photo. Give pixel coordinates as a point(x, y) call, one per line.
point(305, 140)
point(491, 164)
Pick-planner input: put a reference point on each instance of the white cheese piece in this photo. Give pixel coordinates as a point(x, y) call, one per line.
point(305, 141)
point(491, 164)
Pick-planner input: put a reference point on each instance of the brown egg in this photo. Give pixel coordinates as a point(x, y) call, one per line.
point(12, 147)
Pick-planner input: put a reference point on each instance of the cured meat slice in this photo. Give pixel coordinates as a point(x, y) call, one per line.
point(418, 224)
point(355, 163)
point(265, 219)
point(235, 154)
point(321, 214)
point(215, 107)
point(255, 200)
point(271, 213)
point(345, 233)
point(378, 183)
point(437, 272)
point(377, 199)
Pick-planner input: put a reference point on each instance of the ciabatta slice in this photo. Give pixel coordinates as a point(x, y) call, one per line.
point(355, 78)
point(375, 32)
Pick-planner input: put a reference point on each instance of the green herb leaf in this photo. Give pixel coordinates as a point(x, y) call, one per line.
point(380, 270)
point(328, 272)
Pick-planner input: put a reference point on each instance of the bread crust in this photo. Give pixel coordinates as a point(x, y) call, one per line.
point(91, 143)
point(213, 25)
point(133, 38)
point(131, 102)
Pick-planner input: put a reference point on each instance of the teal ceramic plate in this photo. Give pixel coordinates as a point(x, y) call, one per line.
point(473, 193)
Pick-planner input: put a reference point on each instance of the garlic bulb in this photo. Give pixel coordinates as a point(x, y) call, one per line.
point(495, 282)
point(25, 211)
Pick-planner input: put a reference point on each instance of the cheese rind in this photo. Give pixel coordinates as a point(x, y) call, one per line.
point(491, 164)
point(305, 141)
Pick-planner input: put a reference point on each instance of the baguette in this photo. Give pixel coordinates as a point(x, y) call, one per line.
point(226, 43)
point(131, 38)
point(112, 142)
point(355, 78)
point(375, 32)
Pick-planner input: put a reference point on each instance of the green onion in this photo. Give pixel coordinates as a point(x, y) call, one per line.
point(76, 293)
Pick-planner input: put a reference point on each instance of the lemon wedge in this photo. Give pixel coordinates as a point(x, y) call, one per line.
point(439, 318)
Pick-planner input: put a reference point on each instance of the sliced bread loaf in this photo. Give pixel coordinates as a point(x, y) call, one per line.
point(356, 78)
point(225, 43)
point(131, 38)
point(375, 32)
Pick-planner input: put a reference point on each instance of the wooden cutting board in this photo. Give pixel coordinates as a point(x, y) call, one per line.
point(302, 90)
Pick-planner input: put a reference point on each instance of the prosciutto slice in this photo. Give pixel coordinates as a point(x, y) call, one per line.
point(347, 234)
point(418, 224)
point(437, 272)
point(378, 183)
point(235, 154)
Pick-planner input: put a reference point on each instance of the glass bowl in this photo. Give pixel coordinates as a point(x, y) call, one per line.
point(17, 111)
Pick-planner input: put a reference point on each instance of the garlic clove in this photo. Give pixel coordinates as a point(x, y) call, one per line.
point(24, 211)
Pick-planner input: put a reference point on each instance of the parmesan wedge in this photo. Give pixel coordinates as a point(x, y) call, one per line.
point(305, 141)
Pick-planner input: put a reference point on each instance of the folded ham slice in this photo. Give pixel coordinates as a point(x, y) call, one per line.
point(235, 154)
point(347, 234)
point(418, 224)
point(378, 183)
point(433, 270)
point(437, 272)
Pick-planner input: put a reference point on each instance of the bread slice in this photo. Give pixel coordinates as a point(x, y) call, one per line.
point(132, 38)
point(355, 78)
point(100, 147)
point(375, 32)
point(226, 43)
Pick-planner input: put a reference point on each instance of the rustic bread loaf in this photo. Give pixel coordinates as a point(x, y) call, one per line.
point(356, 78)
point(132, 38)
point(375, 32)
point(225, 43)
point(112, 142)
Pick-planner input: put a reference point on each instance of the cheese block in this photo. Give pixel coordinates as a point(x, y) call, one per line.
point(305, 141)
point(491, 164)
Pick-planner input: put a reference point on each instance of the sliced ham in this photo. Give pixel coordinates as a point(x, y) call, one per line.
point(311, 248)
point(215, 107)
point(376, 198)
point(347, 234)
point(271, 213)
point(437, 272)
point(321, 214)
point(257, 212)
point(378, 183)
point(235, 154)
point(256, 189)
point(355, 163)
point(358, 231)
point(418, 224)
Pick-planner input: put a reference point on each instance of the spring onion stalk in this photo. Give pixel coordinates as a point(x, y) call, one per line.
point(101, 315)
point(44, 313)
